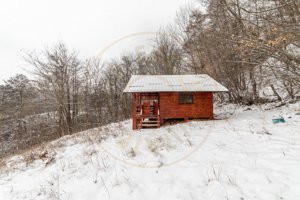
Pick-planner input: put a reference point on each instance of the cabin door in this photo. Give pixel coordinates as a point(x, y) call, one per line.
point(146, 107)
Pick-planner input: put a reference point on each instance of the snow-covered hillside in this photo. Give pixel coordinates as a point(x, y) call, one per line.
point(241, 155)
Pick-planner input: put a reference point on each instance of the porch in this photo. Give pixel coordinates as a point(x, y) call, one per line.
point(146, 110)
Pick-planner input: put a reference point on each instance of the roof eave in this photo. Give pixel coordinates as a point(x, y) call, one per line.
point(175, 91)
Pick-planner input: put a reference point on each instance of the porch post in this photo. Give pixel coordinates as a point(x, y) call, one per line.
point(133, 111)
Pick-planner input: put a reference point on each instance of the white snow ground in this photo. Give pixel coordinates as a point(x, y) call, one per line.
point(242, 156)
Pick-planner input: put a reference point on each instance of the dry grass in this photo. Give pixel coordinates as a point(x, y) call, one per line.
point(90, 151)
point(131, 153)
point(215, 174)
point(2, 163)
point(47, 151)
point(44, 152)
point(25, 153)
point(29, 157)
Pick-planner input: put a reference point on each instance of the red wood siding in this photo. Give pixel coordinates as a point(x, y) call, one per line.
point(202, 107)
point(133, 112)
point(170, 108)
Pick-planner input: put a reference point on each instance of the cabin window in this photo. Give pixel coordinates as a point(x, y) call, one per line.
point(186, 98)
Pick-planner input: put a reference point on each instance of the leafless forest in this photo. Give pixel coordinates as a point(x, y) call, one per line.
point(251, 47)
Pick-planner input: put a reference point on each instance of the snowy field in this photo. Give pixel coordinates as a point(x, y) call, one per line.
point(242, 155)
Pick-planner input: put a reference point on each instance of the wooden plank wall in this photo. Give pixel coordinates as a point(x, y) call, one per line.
point(133, 111)
point(171, 108)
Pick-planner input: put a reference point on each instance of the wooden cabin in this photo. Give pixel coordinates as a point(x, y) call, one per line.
point(157, 98)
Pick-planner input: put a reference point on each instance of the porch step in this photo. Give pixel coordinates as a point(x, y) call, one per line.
point(150, 122)
point(149, 125)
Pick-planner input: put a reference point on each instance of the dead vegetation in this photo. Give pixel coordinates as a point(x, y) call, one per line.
point(2, 163)
point(47, 151)
point(131, 153)
point(43, 153)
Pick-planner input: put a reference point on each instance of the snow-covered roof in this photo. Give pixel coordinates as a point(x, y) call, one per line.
point(173, 83)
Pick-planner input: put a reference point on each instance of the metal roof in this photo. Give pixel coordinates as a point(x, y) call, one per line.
point(173, 83)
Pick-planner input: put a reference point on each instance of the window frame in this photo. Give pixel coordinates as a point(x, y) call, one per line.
point(184, 98)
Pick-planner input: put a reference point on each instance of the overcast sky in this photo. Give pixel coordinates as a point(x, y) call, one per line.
point(87, 26)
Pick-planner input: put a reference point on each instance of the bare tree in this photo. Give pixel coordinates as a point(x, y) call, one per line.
point(166, 57)
point(57, 70)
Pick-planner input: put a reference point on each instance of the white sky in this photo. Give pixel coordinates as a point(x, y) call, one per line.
point(87, 26)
